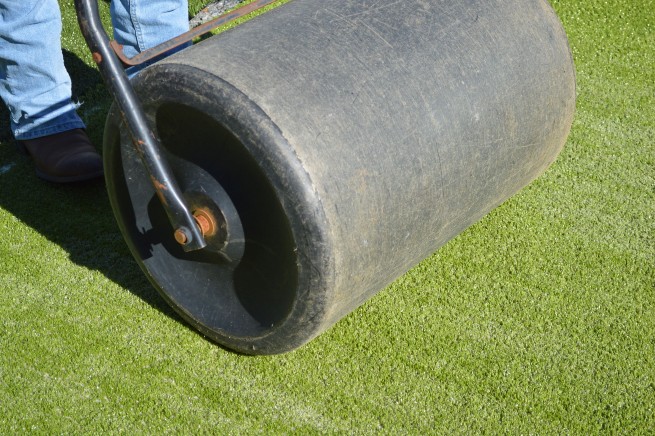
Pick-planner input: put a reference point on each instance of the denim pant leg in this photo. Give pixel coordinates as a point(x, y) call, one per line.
point(143, 24)
point(33, 81)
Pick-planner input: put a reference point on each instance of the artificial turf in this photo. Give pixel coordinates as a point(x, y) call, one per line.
point(538, 319)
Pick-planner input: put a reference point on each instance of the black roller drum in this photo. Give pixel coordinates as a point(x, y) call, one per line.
point(342, 142)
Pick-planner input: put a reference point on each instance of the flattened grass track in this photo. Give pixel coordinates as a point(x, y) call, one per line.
point(538, 319)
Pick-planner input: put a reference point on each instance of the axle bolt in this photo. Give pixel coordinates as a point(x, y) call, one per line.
point(181, 236)
point(206, 222)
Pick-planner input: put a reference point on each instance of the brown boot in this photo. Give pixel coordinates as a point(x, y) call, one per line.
point(64, 157)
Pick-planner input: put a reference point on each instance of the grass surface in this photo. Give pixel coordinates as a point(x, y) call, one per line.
point(539, 319)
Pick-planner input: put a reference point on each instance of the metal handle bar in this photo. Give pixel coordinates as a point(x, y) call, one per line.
point(189, 36)
point(187, 232)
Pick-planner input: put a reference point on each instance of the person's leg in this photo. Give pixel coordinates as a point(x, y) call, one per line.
point(143, 24)
point(36, 88)
point(33, 81)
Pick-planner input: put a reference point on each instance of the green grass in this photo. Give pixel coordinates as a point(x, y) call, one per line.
point(539, 319)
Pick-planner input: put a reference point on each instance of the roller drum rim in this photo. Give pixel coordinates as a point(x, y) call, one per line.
point(289, 186)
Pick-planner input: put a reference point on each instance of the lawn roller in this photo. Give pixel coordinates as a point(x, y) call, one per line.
point(270, 179)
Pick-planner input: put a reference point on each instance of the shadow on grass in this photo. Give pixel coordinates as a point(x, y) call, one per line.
point(77, 217)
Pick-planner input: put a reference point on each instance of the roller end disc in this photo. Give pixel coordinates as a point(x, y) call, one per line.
point(210, 203)
point(240, 288)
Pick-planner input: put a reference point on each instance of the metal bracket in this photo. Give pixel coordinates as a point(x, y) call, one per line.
point(189, 36)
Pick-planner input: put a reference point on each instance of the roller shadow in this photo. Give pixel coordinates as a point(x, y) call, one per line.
point(77, 217)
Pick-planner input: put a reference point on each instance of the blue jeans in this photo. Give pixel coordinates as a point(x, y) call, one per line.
point(34, 84)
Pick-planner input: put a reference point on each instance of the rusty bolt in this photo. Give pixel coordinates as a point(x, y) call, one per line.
point(206, 222)
point(97, 57)
point(181, 236)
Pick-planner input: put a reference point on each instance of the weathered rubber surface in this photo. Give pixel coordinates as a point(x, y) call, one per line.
point(354, 139)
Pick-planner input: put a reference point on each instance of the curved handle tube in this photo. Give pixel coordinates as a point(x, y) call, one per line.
point(145, 141)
